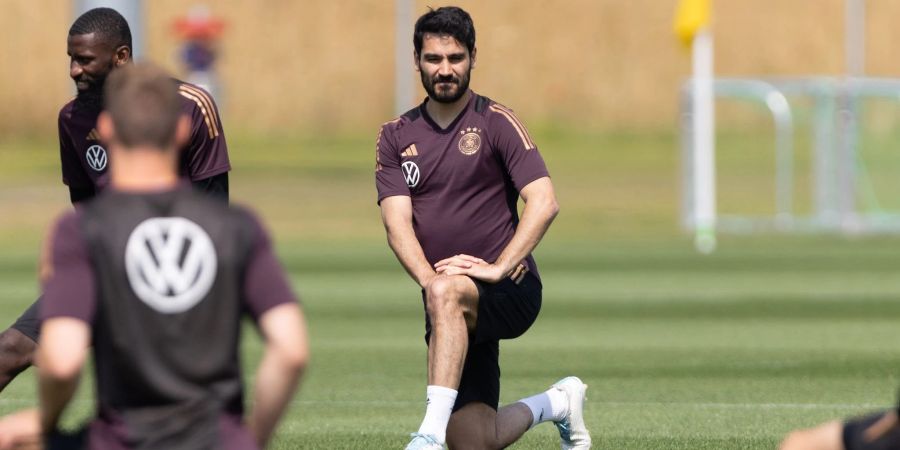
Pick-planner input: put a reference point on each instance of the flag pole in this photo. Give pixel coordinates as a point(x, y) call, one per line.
point(704, 142)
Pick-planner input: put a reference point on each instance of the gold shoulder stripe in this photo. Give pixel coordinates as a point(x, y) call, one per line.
point(213, 132)
point(208, 101)
point(523, 133)
point(511, 115)
point(381, 131)
point(378, 166)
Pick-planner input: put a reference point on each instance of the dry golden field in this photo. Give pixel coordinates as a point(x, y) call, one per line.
point(318, 65)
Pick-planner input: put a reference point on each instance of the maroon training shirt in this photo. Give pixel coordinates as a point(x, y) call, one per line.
point(464, 180)
point(163, 280)
point(85, 160)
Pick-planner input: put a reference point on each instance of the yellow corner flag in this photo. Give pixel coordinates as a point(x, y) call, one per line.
point(692, 15)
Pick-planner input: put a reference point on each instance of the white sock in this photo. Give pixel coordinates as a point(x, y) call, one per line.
point(438, 407)
point(550, 405)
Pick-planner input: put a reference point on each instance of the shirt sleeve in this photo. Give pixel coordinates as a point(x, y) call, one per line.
point(68, 276)
point(207, 150)
point(72, 171)
point(265, 283)
point(510, 139)
point(388, 177)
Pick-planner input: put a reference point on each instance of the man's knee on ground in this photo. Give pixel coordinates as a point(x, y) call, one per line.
point(16, 350)
point(474, 427)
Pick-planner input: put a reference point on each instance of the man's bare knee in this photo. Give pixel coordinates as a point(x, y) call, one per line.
point(442, 297)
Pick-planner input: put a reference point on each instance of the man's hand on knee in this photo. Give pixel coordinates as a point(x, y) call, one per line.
point(471, 266)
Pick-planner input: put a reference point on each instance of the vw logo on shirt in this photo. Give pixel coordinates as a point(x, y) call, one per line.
point(171, 263)
point(96, 157)
point(410, 173)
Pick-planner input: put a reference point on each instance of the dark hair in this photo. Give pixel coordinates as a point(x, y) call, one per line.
point(106, 22)
point(144, 105)
point(446, 20)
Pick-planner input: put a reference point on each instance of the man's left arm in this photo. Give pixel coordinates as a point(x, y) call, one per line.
point(271, 301)
point(67, 311)
point(541, 208)
point(215, 186)
point(206, 151)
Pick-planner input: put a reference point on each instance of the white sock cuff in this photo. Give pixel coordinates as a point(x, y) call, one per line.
point(435, 390)
point(439, 406)
point(550, 405)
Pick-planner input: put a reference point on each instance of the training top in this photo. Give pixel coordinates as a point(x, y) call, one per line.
point(84, 158)
point(163, 279)
point(464, 180)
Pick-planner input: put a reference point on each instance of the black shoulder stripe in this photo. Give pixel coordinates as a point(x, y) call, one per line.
point(481, 103)
point(412, 114)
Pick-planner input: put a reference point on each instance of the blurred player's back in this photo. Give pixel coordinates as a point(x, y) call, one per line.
point(166, 323)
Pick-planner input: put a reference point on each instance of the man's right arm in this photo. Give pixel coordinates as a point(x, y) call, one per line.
point(397, 215)
point(396, 206)
point(81, 187)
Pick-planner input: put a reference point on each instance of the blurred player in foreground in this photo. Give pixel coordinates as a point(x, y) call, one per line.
point(100, 42)
point(156, 277)
point(449, 174)
point(879, 431)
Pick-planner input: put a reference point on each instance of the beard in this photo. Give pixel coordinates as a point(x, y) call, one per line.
point(458, 87)
point(92, 97)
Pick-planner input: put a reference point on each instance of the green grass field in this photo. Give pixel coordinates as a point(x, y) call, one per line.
point(680, 351)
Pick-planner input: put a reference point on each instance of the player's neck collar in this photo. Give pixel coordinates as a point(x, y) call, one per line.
point(452, 124)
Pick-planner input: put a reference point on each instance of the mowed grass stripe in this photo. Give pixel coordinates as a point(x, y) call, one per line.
point(680, 351)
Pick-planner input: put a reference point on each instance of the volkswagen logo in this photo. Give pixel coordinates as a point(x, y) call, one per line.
point(96, 157)
point(410, 173)
point(171, 263)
